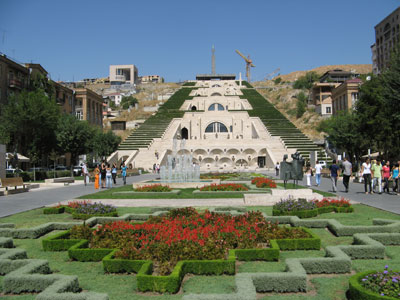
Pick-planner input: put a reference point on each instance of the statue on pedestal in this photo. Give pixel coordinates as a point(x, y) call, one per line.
point(292, 170)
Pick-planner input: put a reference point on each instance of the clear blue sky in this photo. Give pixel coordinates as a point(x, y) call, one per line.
point(80, 39)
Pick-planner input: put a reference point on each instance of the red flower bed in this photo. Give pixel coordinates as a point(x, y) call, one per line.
point(187, 234)
point(230, 187)
point(153, 188)
point(262, 182)
point(77, 203)
point(332, 202)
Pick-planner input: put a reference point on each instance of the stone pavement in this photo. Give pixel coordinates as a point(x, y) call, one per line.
point(47, 196)
point(44, 196)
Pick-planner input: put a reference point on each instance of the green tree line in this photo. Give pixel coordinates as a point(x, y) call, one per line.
point(32, 124)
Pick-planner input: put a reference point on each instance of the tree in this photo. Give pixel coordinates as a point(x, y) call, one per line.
point(126, 102)
point(27, 123)
point(301, 104)
point(105, 143)
point(75, 137)
point(277, 80)
point(344, 133)
point(306, 81)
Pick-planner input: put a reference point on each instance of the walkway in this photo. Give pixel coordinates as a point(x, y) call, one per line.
point(46, 196)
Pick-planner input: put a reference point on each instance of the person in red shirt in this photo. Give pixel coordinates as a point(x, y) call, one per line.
point(386, 176)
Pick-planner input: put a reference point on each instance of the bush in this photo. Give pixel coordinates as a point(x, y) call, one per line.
point(229, 187)
point(306, 81)
point(277, 80)
point(291, 204)
point(262, 182)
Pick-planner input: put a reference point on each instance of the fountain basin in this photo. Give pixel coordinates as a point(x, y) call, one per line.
point(179, 185)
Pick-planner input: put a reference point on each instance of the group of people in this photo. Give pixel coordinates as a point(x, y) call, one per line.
point(105, 174)
point(156, 168)
point(375, 172)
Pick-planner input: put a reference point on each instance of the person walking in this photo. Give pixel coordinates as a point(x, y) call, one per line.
point(114, 173)
point(347, 172)
point(308, 174)
point(103, 175)
point(395, 177)
point(335, 170)
point(277, 167)
point(85, 173)
point(377, 176)
point(318, 169)
point(366, 173)
point(96, 173)
point(108, 176)
point(386, 176)
point(123, 171)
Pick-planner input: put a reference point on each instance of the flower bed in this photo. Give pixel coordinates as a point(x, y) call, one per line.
point(262, 182)
point(375, 285)
point(221, 176)
point(308, 209)
point(153, 188)
point(225, 187)
point(83, 209)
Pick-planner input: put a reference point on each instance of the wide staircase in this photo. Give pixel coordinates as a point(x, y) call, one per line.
point(155, 126)
point(278, 125)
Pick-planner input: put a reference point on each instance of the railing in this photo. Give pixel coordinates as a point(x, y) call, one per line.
point(15, 83)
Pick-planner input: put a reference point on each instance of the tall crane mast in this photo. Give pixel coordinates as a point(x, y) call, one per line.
point(249, 64)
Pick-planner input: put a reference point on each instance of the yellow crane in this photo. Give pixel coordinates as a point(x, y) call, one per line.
point(249, 63)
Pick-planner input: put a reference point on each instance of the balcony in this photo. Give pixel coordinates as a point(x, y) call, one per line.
point(15, 83)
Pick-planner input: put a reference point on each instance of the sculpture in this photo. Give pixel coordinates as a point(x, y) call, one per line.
point(292, 170)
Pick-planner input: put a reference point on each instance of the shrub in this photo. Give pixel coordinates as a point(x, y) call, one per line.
point(95, 208)
point(81, 232)
point(292, 204)
point(383, 283)
point(332, 202)
point(262, 182)
point(278, 80)
point(153, 188)
point(231, 187)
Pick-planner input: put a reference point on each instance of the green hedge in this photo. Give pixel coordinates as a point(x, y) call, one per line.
point(53, 210)
point(80, 252)
point(312, 212)
point(75, 215)
point(85, 216)
point(358, 292)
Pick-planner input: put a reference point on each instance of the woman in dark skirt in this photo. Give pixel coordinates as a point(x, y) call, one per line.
point(103, 175)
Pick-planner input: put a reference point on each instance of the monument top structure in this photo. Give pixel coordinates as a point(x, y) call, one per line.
point(215, 76)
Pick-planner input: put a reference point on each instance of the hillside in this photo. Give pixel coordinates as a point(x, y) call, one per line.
point(361, 69)
point(283, 96)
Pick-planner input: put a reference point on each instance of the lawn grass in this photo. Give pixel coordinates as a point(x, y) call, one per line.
point(184, 194)
point(124, 286)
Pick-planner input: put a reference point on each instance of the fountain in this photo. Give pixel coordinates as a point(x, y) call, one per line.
point(179, 168)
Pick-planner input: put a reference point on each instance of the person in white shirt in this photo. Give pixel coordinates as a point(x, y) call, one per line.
point(318, 168)
point(85, 173)
point(366, 172)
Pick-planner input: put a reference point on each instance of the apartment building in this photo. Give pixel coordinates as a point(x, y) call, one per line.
point(321, 92)
point(123, 74)
point(387, 36)
point(14, 77)
point(345, 95)
point(151, 79)
point(89, 106)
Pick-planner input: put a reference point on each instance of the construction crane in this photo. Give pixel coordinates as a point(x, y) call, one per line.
point(249, 63)
point(272, 74)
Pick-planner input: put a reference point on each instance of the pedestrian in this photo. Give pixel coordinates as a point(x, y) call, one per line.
point(318, 169)
point(366, 173)
point(154, 168)
point(395, 177)
point(96, 173)
point(103, 175)
point(334, 175)
point(108, 176)
point(376, 169)
point(347, 172)
point(277, 167)
point(386, 176)
point(123, 171)
point(156, 154)
point(114, 173)
point(85, 173)
point(158, 168)
point(308, 174)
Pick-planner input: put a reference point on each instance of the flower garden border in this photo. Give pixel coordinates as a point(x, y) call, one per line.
point(173, 192)
point(313, 212)
point(64, 208)
point(78, 250)
point(369, 242)
point(358, 292)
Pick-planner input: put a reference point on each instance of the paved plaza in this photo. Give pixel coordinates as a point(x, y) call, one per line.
point(36, 198)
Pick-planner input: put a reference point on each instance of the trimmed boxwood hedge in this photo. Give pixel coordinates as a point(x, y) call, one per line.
point(312, 212)
point(64, 208)
point(358, 292)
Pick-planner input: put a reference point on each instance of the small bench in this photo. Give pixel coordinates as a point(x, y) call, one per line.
point(14, 182)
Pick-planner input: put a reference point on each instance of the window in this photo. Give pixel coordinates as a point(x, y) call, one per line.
point(328, 110)
point(216, 127)
point(216, 106)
